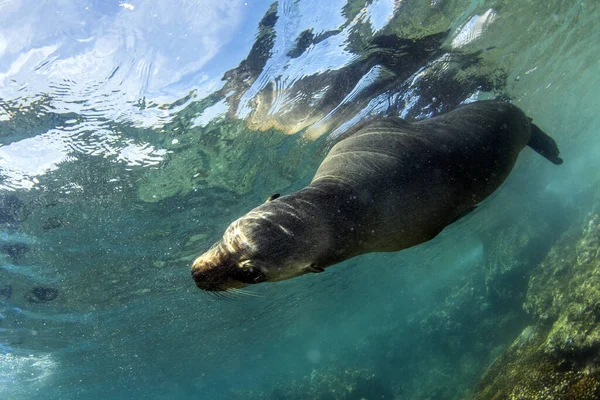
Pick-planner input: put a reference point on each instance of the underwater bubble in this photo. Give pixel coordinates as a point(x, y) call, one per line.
point(314, 356)
point(31, 368)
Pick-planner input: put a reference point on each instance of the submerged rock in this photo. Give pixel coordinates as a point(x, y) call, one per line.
point(558, 356)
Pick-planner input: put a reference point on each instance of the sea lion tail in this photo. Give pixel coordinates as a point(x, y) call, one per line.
point(544, 145)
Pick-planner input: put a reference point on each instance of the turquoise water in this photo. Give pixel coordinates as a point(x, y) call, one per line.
point(133, 133)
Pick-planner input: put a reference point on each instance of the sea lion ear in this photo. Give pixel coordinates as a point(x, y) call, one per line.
point(273, 197)
point(314, 268)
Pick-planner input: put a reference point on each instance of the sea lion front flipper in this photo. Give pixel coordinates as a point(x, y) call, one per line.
point(314, 268)
point(273, 197)
point(464, 213)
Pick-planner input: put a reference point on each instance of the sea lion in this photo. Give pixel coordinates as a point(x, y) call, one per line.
point(387, 185)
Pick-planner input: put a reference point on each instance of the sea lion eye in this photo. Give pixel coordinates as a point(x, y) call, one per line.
point(249, 275)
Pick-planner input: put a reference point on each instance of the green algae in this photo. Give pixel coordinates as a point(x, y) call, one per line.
point(525, 372)
point(565, 291)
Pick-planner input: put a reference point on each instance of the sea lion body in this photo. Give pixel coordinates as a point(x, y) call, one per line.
point(387, 185)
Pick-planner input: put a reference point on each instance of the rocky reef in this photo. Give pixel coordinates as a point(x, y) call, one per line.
point(459, 345)
point(556, 357)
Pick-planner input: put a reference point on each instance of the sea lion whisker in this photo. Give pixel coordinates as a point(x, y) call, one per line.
point(242, 293)
point(217, 295)
point(210, 294)
point(221, 295)
point(245, 293)
point(232, 294)
point(233, 291)
point(249, 293)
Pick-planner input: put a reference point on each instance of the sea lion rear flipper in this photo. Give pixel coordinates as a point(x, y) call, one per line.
point(544, 145)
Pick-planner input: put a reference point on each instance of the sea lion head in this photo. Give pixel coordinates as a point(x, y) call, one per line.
point(222, 268)
point(259, 247)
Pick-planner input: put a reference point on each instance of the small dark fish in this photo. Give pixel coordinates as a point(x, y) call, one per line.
point(53, 223)
point(41, 294)
point(5, 292)
point(11, 209)
point(14, 249)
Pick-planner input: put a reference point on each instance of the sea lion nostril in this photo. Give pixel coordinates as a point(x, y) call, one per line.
point(205, 282)
point(196, 275)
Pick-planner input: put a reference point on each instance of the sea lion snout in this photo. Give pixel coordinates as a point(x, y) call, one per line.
point(208, 278)
point(213, 275)
point(216, 280)
point(217, 270)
